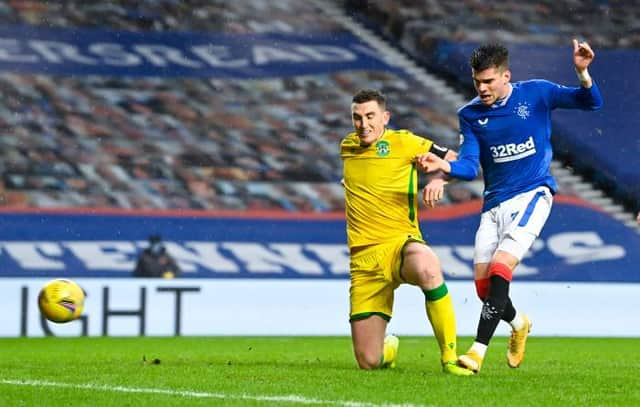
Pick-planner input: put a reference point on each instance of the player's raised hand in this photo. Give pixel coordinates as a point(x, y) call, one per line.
point(429, 162)
point(582, 55)
point(433, 191)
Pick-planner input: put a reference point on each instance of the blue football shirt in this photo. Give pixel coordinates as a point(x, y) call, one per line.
point(511, 139)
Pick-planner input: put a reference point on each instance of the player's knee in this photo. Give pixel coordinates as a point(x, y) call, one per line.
point(422, 268)
point(368, 360)
point(510, 252)
point(430, 264)
point(428, 277)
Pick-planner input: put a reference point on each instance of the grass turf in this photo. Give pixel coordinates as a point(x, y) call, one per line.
point(248, 371)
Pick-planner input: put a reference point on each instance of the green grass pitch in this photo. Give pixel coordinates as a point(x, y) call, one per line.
point(320, 371)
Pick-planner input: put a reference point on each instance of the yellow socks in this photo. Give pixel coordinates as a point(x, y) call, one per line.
point(443, 321)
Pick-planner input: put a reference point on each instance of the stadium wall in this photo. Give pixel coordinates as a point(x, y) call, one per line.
point(287, 274)
point(204, 307)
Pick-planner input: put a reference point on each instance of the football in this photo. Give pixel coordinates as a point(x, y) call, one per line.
point(61, 300)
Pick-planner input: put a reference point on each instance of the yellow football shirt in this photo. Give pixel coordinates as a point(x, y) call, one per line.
point(381, 184)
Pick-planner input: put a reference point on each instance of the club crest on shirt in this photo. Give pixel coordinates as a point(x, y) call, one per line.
point(383, 148)
point(522, 110)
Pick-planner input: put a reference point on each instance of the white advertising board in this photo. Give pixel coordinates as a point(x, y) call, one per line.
point(203, 307)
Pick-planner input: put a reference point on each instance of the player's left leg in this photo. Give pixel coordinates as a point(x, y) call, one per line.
point(493, 308)
point(481, 282)
point(421, 267)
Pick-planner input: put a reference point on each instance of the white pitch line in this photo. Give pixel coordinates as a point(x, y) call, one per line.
point(292, 398)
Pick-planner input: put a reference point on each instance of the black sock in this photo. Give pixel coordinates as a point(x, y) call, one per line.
point(509, 311)
point(493, 309)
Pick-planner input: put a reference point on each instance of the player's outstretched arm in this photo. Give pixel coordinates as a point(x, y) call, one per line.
point(430, 162)
point(434, 190)
point(583, 55)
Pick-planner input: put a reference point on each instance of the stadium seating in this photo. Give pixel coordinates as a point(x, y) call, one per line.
point(440, 34)
point(418, 23)
point(189, 142)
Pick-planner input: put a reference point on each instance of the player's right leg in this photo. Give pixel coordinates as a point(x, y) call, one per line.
point(390, 351)
point(486, 242)
point(520, 323)
point(371, 303)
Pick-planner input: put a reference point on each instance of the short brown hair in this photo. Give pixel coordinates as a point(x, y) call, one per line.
point(367, 95)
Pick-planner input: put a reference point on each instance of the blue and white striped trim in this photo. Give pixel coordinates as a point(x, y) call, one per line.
point(530, 207)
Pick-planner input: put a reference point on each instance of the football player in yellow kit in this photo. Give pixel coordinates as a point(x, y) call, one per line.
point(384, 238)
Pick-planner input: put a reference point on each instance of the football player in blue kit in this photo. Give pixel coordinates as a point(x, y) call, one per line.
point(506, 129)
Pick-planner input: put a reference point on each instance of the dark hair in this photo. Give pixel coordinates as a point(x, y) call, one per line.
point(156, 246)
point(489, 56)
point(367, 95)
